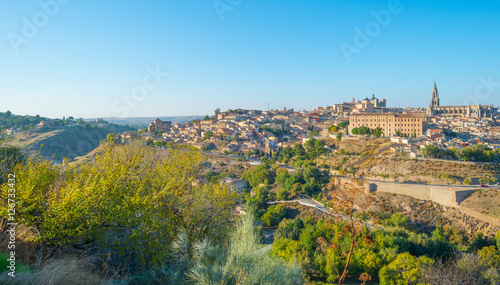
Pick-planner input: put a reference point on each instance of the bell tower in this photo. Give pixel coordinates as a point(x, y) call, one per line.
point(434, 101)
point(435, 97)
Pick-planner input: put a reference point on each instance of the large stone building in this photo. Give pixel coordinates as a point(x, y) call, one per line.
point(373, 105)
point(158, 125)
point(408, 124)
point(471, 111)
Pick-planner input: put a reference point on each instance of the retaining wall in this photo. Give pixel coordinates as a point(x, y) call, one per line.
point(444, 195)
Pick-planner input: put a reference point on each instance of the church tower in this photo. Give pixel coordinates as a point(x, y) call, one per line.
point(434, 101)
point(435, 97)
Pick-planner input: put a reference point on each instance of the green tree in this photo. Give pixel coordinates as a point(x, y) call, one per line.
point(289, 229)
point(344, 124)
point(313, 133)
point(208, 135)
point(397, 220)
point(298, 150)
point(479, 242)
point(339, 136)
point(111, 137)
point(283, 194)
point(490, 255)
point(378, 132)
point(333, 129)
point(405, 269)
point(259, 175)
point(362, 130)
point(9, 157)
point(274, 215)
point(432, 151)
point(287, 249)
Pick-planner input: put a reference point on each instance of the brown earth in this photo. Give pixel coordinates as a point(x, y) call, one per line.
point(360, 145)
point(396, 167)
point(426, 215)
point(485, 201)
point(295, 210)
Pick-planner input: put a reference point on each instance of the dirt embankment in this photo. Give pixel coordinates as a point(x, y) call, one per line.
point(360, 145)
point(426, 215)
point(486, 202)
point(403, 167)
point(389, 164)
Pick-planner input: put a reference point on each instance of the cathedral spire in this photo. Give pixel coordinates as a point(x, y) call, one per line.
point(435, 97)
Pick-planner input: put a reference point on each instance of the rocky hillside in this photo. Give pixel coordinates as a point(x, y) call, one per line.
point(371, 158)
point(426, 215)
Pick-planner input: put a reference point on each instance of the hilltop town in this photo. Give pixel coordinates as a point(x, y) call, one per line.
point(247, 132)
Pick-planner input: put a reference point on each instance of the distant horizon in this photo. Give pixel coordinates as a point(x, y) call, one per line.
point(132, 59)
point(224, 110)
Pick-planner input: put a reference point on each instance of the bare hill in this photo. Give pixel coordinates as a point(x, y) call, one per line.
point(59, 142)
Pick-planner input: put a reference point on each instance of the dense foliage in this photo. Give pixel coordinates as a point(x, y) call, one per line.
point(131, 201)
point(279, 132)
point(9, 158)
point(344, 124)
point(8, 120)
point(478, 152)
point(259, 175)
point(362, 130)
point(309, 181)
point(395, 254)
point(311, 149)
point(273, 215)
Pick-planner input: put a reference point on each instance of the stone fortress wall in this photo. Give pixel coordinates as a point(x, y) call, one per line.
point(445, 195)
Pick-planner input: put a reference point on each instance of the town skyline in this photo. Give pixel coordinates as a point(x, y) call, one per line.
point(470, 99)
point(68, 58)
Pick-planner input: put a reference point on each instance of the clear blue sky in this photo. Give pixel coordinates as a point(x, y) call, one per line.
point(85, 55)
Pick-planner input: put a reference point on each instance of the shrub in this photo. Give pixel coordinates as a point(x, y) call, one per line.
point(241, 262)
point(283, 194)
point(467, 269)
point(397, 220)
point(405, 269)
point(274, 215)
point(130, 201)
point(490, 255)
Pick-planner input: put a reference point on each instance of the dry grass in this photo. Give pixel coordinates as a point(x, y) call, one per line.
point(363, 144)
point(67, 271)
point(408, 167)
point(388, 163)
point(485, 202)
point(26, 248)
